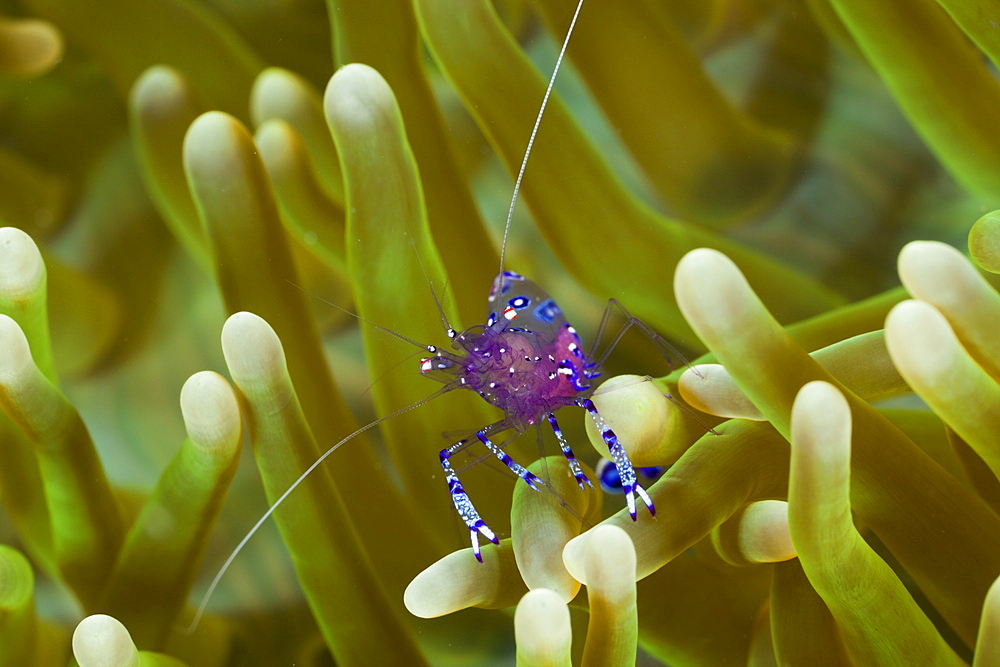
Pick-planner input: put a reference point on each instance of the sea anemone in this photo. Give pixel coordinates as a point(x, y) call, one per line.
point(314, 182)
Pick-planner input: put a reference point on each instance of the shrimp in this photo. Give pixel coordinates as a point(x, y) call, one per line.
point(527, 360)
point(528, 371)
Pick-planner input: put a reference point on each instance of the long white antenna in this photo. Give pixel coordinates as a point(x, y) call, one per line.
point(270, 510)
point(503, 248)
point(534, 131)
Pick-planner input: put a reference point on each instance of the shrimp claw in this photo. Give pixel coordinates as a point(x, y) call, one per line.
point(626, 471)
point(466, 510)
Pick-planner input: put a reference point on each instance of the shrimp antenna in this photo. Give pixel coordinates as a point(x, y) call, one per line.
point(449, 330)
point(534, 131)
point(270, 510)
point(379, 327)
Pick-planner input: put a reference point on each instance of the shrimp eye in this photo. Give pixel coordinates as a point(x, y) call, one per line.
point(436, 363)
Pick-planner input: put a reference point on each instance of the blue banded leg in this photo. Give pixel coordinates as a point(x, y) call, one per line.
point(621, 460)
point(574, 465)
point(463, 505)
point(515, 467)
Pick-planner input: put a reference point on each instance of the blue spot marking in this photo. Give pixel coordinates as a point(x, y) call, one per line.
point(547, 311)
point(607, 475)
point(519, 302)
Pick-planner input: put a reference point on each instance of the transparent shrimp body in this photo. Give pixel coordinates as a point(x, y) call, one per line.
point(528, 361)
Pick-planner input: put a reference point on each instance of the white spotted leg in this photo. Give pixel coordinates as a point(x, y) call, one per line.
point(531, 479)
point(574, 465)
point(463, 505)
point(630, 484)
point(466, 510)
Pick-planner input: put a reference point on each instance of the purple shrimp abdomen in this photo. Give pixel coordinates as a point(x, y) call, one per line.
point(525, 364)
point(571, 362)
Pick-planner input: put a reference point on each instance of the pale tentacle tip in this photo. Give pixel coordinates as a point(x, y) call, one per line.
point(102, 640)
point(572, 557)
point(542, 628)
point(22, 269)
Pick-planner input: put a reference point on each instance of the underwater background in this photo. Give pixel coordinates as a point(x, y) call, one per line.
point(801, 195)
